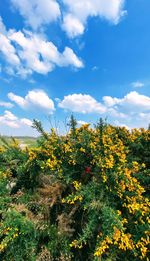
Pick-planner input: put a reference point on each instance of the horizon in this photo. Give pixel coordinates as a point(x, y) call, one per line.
point(66, 130)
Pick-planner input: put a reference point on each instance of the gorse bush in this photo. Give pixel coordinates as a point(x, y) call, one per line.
point(81, 196)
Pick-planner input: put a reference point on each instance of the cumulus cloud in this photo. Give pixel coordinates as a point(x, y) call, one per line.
point(33, 47)
point(10, 116)
point(37, 12)
point(72, 25)
point(27, 52)
point(81, 103)
point(26, 122)
point(132, 101)
point(74, 14)
point(9, 51)
point(137, 84)
point(113, 112)
point(6, 104)
point(136, 100)
point(34, 99)
point(17, 99)
point(132, 110)
point(110, 101)
point(75, 18)
point(12, 121)
point(69, 58)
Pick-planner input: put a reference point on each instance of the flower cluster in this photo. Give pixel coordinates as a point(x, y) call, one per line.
point(83, 195)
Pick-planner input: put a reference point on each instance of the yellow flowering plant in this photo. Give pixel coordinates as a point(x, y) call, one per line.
point(81, 196)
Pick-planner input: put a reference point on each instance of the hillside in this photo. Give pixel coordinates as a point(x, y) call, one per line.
point(24, 140)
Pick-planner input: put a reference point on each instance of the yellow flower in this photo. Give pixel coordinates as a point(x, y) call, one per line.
point(119, 212)
point(77, 185)
point(117, 235)
point(76, 244)
point(104, 245)
point(135, 166)
point(63, 200)
point(82, 149)
point(72, 201)
point(32, 155)
point(15, 235)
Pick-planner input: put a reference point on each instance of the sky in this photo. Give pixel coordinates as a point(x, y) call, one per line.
point(86, 57)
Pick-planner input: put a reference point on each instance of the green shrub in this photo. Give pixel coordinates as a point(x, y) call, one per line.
point(81, 196)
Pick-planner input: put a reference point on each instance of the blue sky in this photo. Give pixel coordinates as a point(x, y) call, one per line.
point(86, 57)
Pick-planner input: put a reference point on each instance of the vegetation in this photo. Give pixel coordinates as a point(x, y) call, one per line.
point(81, 196)
point(23, 140)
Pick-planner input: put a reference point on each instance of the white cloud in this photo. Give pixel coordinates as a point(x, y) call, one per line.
point(26, 52)
point(116, 114)
point(133, 110)
point(118, 123)
point(138, 120)
point(6, 104)
point(10, 116)
point(72, 25)
point(33, 47)
point(137, 84)
point(2, 26)
point(77, 13)
point(11, 124)
point(12, 121)
point(73, 13)
point(17, 99)
point(8, 51)
point(136, 100)
point(145, 116)
point(81, 103)
point(132, 101)
point(26, 122)
point(69, 58)
point(34, 99)
point(81, 122)
point(38, 12)
point(110, 101)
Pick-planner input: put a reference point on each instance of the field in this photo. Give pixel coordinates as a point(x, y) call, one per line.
point(23, 140)
point(81, 196)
